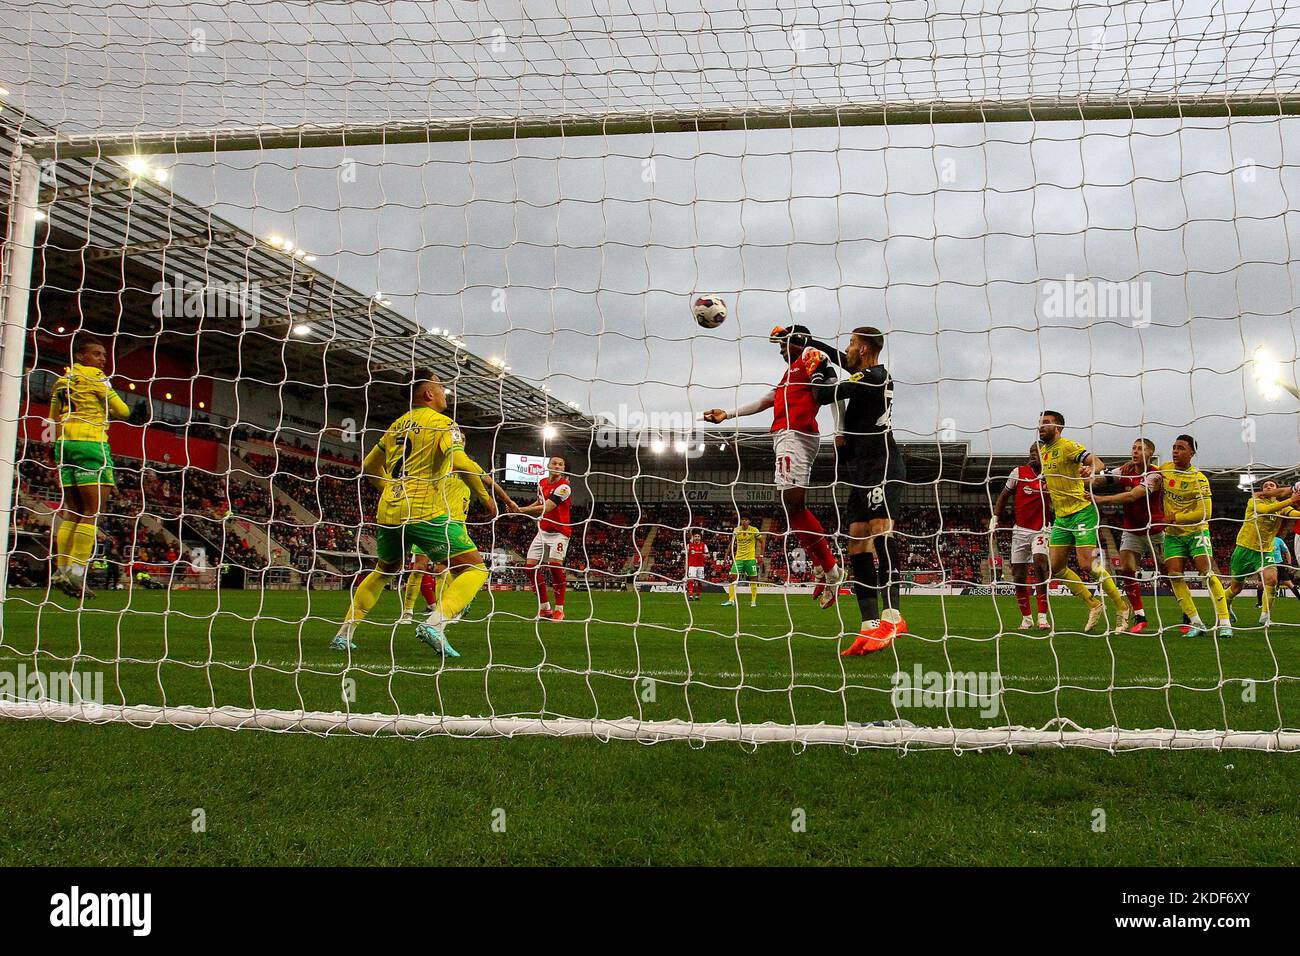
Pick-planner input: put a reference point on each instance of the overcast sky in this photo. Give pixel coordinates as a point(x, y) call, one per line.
point(956, 240)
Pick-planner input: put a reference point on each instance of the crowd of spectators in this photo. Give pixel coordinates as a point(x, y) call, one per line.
point(951, 544)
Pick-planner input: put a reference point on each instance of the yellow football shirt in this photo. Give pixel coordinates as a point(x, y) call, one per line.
point(1188, 504)
point(1262, 522)
point(746, 543)
point(418, 449)
point(82, 404)
point(1061, 461)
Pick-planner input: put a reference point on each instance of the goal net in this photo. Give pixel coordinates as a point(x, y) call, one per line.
point(280, 228)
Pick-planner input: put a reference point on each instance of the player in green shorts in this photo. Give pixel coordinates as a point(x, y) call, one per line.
point(1188, 508)
point(744, 566)
point(82, 404)
point(410, 465)
point(1254, 553)
point(1068, 468)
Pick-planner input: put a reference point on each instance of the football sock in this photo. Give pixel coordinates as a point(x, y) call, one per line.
point(430, 584)
point(864, 585)
point(458, 593)
point(731, 591)
point(63, 542)
point(1183, 594)
point(414, 582)
point(1269, 591)
point(82, 547)
point(1133, 591)
point(557, 578)
point(888, 571)
point(753, 591)
point(1022, 599)
point(1109, 587)
point(539, 580)
point(1076, 586)
point(364, 598)
point(1219, 597)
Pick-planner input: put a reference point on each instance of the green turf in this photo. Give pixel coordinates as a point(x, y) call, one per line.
point(120, 794)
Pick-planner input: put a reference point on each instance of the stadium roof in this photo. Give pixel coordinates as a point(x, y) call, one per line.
point(114, 236)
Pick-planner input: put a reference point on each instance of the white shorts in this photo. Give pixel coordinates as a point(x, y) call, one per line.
point(1025, 543)
point(695, 573)
point(795, 452)
point(1139, 542)
point(549, 547)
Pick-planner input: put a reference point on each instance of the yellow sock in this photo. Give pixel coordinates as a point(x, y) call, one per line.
point(1178, 584)
point(459, 591)
point(1219, 596)
point(1109, 587)
point(1269, 591)
point(731, 592)
point(1076, 586)
point(81, 548)
point(753, 591)
point(412, 591)
point(365, 597)
point(63, 542)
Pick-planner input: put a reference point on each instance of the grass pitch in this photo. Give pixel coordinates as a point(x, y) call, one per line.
point(120, 795)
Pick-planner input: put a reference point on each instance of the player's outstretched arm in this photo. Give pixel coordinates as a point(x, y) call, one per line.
point(717, 416)
point(831, 352)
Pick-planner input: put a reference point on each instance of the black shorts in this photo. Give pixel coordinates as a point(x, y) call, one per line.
point(1285, 572)
point(871, 502)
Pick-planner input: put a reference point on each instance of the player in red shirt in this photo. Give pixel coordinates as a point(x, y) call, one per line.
point(1029, 551)
point(551, 543)
point(1142, 496)
point(696, 555)
point(795, 441)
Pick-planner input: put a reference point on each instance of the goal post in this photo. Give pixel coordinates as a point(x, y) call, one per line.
point(1266, 103)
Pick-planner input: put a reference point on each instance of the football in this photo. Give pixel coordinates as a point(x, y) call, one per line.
point(709, 311)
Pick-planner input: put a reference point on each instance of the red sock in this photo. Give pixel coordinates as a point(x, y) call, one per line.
point(429, 589)
point(557, 579)
point(539, 581)
point(1022, 599)
point(1041, 590)
point(1133, 591)
point(812, 536)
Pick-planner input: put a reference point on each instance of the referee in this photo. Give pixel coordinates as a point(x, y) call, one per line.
point(872, 465)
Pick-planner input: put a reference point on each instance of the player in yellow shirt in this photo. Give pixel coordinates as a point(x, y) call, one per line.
point(1254, 551)
point(458, 498)
point(81, 406)
point(411, 465)
point(744, 564)
point(1188, 507)
point(1067, 466)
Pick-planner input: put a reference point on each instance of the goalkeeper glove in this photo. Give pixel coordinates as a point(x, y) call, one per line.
point(812, 359)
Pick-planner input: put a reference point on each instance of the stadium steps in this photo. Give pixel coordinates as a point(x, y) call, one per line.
point(278, 497)
point(647, 549)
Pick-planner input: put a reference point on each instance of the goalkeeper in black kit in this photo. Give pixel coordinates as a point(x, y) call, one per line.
point(870, 463)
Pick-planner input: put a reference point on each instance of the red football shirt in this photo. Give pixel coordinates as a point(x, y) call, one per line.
point(556, 490)
point(794, 407)
point(695, 552)
point(1030, 498)
point(1145, 514)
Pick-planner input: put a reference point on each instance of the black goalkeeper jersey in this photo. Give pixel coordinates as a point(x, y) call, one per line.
point(870, 455)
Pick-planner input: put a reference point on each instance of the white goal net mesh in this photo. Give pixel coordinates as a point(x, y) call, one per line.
point(273, 218)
